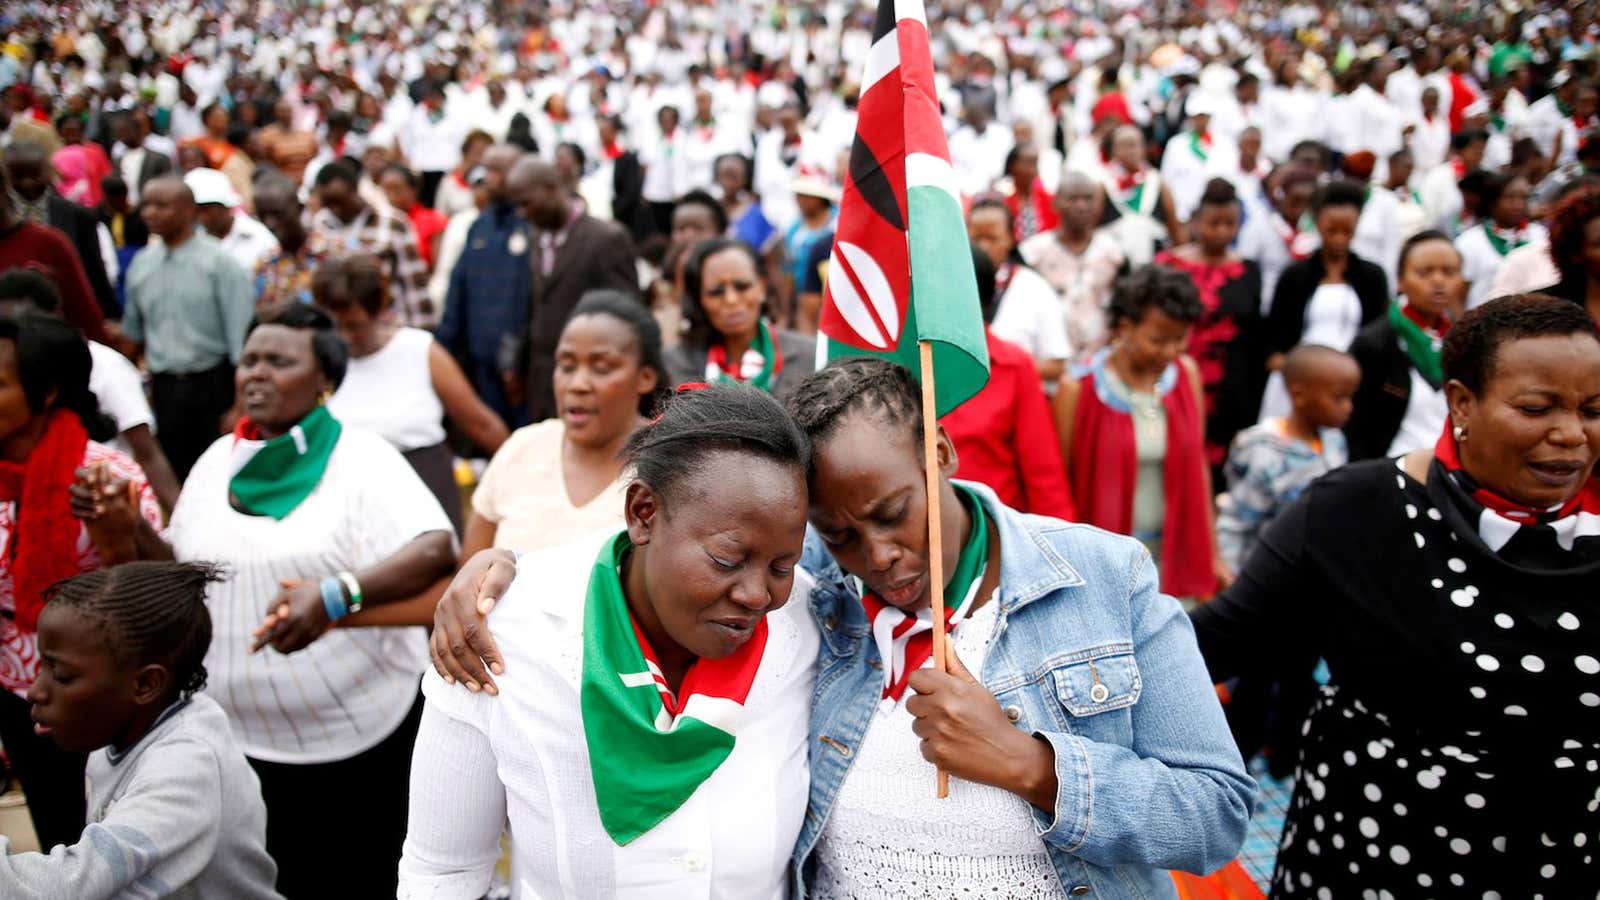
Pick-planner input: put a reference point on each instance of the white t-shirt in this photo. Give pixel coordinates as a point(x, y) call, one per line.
point(1030, 316)
point(521, 759)
point(391, 393)
point(1481, 262)
point(116, 383)
point(351, 688)
point(1426, 411)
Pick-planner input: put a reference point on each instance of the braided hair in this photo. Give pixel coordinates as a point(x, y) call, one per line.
point(822, 402)
point(148, 612)
point(696, 423)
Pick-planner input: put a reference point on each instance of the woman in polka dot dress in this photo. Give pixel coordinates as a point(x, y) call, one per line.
point(1455, 750)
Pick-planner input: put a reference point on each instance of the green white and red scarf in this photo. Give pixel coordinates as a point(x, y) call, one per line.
point(759, 365)
point(649, 749)
point(1200, 144)
point(905, 642)
point(1422, 342)
point(1504, 242)
point(272, 477)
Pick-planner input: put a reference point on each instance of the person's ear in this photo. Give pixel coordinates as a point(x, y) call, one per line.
point(150, 684)
point(641, 508)
point(1461, 403)
point(647, 380)
point(946, 452)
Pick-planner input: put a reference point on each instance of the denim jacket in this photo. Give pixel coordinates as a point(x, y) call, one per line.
point(1089, 656)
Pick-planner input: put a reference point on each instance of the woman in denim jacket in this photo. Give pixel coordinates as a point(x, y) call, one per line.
point(1088, 754)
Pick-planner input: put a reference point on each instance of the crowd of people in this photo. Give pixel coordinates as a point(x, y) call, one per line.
point(339, 337)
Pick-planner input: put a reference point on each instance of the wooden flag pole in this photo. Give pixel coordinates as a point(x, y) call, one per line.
point(930, 457)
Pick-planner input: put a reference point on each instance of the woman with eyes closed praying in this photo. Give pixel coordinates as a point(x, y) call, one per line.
point(649, 737)
point(727, 337)
point(1086, 747)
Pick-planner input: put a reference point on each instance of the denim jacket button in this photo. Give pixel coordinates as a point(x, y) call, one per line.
point(829, 623)
point(1080, 890)
point(1099, 693)
point(1013, 714)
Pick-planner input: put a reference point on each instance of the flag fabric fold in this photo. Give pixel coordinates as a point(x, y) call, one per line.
point(901, 267)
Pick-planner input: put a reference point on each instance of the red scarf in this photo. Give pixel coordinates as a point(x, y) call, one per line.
point(1586, 500)
point(613, 151)
point(43, 548)
point(1039, 212)
point(1126, 181)
point(1105, 469)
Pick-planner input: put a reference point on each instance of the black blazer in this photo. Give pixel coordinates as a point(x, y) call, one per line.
point(1286, 323)
point(1380, 402)
point(596, 254)
point(82, 228)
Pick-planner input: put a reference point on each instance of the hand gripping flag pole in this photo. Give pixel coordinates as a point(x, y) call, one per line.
point(900, 280)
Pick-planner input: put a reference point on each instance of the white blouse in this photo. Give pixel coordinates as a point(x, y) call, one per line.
point(391, 392)
point(484, 764)
point(350, 688)
point(888, 837)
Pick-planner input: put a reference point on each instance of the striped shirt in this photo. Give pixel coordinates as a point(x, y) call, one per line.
point(388, 235)
point(350, 688)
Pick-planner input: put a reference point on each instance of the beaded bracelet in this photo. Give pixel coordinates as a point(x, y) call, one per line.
point(333, 599)
point(353, 588)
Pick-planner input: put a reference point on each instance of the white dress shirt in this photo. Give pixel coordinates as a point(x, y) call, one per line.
point(248, 242)
point(520, 760)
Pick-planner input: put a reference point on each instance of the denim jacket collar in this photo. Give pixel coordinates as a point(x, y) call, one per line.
point(1030, 568)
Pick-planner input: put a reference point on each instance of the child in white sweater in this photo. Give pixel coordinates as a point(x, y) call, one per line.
point(174, 808)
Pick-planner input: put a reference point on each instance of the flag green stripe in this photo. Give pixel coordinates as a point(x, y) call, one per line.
point(944, 296)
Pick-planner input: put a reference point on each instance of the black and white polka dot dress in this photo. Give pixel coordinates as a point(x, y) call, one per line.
point(1455, 751)
point(1502, 798)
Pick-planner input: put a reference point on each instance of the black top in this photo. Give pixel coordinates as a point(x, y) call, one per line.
point(1380, 402)
point(1286, 322)
point(1458, 738)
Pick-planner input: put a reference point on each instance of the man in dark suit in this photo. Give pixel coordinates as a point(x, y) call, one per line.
point(38, 202)
point(138, 158)
point(571, 253)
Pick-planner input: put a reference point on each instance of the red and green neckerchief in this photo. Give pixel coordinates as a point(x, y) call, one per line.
point(1504, 242)
point(649, 748)
point(904, 641)
point(1200, 144)
point(759, 366)
point(1422, 341)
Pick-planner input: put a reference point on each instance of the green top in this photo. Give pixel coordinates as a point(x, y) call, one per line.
point(189, 307)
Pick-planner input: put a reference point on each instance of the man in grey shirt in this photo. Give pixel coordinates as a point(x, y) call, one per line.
point(188, 306)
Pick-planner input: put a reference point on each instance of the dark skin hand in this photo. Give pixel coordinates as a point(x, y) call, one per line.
point(964, 733)
point(461, 647)
point(109, 511)
point(298, 616)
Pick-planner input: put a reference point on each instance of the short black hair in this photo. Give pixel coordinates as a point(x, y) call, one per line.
point(1339, 193)
point(338, 170)
point(1219, 192)
point(1320, 148)
point(345, 281)
point(577, 152)
point(1416, 240)
point(696, 424)
point(744, 163)
point(823, 400)
point(1474, 342)
point(1464, 139)
point(333, 357)
point(148, 613)
point(719, 216)
point(1155, 287)
point(32, 287)
point(53, 360)
point(646, 333)
point(113, 185)
point(698, 331)
point(410, 177)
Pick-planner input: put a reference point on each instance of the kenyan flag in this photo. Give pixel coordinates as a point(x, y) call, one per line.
point(901, 268)
point(649, 750)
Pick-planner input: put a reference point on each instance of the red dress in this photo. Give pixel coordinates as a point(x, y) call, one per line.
point(1005, 436)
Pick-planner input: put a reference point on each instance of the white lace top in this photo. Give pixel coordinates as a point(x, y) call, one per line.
point(889, 837)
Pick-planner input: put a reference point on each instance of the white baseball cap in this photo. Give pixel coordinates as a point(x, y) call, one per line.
point(211, 186)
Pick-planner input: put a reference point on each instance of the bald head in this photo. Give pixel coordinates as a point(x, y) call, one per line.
point(167, 206)
point(1079, 203)
point(29, 167)
point(1311, 362)
point(534, 186)
point(498, 161)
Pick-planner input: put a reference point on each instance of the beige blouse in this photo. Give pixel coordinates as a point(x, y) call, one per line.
point(524, 493)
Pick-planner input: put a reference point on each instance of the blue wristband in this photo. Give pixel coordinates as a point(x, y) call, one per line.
point(333, 599)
